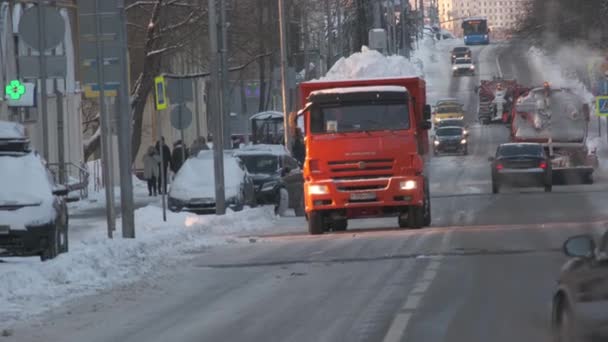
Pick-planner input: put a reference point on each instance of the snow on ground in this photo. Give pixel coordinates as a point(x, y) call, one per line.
point(29, 287)
point(97, 196)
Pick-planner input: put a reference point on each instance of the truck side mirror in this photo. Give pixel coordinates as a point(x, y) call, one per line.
point(426, 125)
point(427, 112)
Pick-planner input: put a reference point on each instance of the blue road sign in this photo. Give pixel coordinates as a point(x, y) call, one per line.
point(601, 105)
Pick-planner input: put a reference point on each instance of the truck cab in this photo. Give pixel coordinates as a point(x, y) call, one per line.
point(366, 144)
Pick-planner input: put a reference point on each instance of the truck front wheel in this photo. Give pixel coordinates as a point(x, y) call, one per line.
point(315, 223)
point(415, 217)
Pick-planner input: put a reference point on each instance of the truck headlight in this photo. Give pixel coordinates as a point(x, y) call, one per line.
point(463, 141)
point(472, 67)
point(315, 189)
point(436, 142)
point(408, 185)
point(454, 68)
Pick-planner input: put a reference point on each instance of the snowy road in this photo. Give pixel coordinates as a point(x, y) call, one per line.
point(485, 271)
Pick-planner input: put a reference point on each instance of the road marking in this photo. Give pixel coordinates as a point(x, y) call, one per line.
point(429, 275)
point(434, 265)
point(413, 300)
point(421, 287)
point(498, 66)
point(398, 326)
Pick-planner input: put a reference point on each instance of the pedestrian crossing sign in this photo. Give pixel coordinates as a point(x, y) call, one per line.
point(601, 105)
point(160, 95)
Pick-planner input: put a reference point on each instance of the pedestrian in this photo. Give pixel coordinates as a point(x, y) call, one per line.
point(179, 156)
point(151, 168)
point(199, 144)
point(166, 161)
point(298, 148)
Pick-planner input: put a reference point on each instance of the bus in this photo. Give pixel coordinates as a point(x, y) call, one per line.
point(476, 31)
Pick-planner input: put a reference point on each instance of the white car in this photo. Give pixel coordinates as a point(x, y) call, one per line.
point(193, 189)
point(463, 66)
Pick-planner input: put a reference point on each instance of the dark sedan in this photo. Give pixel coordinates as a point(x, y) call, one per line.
point(453, 123)
point(276, 175)
point(450, 139)
point(522, 165)
point(461, 52)
point(580, 303)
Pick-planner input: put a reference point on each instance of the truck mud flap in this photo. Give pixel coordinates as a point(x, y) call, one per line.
point(569, 176)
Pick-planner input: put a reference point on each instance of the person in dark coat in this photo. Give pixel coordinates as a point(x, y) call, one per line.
point(166, 156)
point(298, 148)
point(179, 155)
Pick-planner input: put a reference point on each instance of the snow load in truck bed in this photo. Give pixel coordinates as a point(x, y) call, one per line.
point(371, 64)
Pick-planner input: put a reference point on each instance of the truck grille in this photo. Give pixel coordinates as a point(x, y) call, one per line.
point(357, 169)
point(347, 188)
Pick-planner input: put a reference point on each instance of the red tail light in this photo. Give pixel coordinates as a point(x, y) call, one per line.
point(499, 167)
point(313, 165)
point(543, 165)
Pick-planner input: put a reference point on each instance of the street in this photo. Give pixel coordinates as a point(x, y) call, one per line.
point(484, 271)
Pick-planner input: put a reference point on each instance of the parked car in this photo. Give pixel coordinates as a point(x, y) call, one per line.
point(33, 210)
point(450, 139)
point(276, 175)
point(193, 189)
point(579, 304)
point(521, 164)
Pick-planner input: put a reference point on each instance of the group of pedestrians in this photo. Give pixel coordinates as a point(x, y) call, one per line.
point(157, 173)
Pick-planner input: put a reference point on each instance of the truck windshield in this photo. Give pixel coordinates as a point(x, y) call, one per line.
point(360, 117)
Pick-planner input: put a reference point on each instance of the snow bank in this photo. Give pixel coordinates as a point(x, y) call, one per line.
point(28, 286)
point(371, 64)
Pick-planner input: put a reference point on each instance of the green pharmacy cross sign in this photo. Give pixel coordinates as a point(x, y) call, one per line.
point(15, 90)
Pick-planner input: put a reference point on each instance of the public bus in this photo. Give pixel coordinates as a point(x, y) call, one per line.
point(476, 31)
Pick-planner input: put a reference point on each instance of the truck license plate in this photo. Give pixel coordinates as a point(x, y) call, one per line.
point(4, 230)
point(363, 196)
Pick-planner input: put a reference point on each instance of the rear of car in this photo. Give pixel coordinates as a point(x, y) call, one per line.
point(521, 165)
point(463, 66)
point(193, 189)
point(33, 216)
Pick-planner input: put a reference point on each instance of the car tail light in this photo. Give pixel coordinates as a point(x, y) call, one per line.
point(499, 167)
point(543, 165)
point(313, 165)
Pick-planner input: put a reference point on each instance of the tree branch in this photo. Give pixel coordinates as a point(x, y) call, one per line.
point(205, 74)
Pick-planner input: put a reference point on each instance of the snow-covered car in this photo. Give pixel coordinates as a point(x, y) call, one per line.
point(33, 211)
point(277, 177)
point(463, 66)
point(193, 188)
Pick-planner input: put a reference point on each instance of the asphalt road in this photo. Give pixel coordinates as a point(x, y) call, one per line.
point(485, 271)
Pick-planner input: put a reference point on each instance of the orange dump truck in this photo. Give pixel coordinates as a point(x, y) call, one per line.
point(366, 145)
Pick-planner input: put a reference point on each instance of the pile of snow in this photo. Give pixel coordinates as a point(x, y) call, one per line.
point(371, 64)
point(11, 130)
point(29, 287)
point(195, 177)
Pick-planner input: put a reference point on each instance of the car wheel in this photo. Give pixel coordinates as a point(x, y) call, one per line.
point(339, 225)
point(565, 329)
point(282, 202)
point(415, 217)
point(495, 187)
point(53, 249)
point(315, 223)
point(402, 220)
point(300, 209)
point(427, 204)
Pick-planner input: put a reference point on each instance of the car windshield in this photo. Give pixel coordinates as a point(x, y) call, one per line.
point(461, 50)
point(265, 164)
point(520, 150)
point(445, 123)
point(449, 109)
point(449, 131)
point(463, 61)
point(360, 117)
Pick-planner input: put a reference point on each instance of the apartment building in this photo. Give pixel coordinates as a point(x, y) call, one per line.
point(502, 15)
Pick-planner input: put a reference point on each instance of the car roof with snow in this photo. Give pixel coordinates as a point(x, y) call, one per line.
point(262, 149)
point(350, 90)
point(11, 130)
point(267, 115)
point(13, 139)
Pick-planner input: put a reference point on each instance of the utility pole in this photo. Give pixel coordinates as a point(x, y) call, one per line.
point(284, 93)
point(377, 15)
point(106, 146)
point(218, 110)
point(60, 134)
point(340, 47)
point(329, 35)
point(43, 77)
point(224, 77)
point(124, 132)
